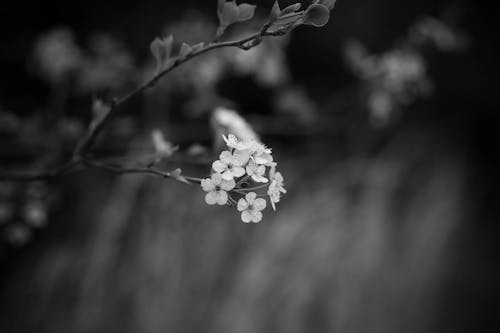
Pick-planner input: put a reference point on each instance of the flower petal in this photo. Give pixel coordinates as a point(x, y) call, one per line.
point(207, 185)
point(256, 216)
point(259, 204)
point(221, 198)
point(218, 166)
point(211, 198)
point(246, 216)
point(242, 205)
point(259, 179)
point(250, 197)
point(241, 157)
point(216, 179)
point(238, 171)
point(227, 175)
point(226, 157)
point(227, 185)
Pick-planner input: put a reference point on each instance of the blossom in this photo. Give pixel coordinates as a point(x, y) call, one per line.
point(217, 188)
point(276, 187)
point(261, 154)
point(233, 142)
point(251, 207)
point(230, 165)
point(256, 171)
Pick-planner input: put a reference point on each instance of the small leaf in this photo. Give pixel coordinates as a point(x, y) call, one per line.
point(177, 175)
point(291, 9)
point(197, 47)
point(327, 3)
point(185, 51)
point(275, 12)
point(161, 48)
point(163, 148)
point(245, 12)
point(316, 15)
point(227, 13)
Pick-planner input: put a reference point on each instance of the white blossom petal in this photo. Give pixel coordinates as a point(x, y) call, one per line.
point(227, 185)
point(242, 205)
point(238, 171)
point(256, 216)
point(259, 204)
point(218, 166)
point(221, 197)
point(250, 197)
point(226, 157)
point(211, 198)
point(207, 185)
point(227, 175)
point(246, 216)
point(216, 179)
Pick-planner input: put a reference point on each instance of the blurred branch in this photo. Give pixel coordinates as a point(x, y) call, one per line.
point(84, 163)
point(39, 175)
point(247, 43)
point(87, 142)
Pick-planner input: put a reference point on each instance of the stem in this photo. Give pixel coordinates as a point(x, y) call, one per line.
point(89, 139)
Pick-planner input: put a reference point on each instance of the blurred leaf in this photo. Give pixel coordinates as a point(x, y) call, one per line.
point(161, 48)
point(177, 175)
point(275, 12)
point(291, 9)
point(185, 51)
point(316, 15)
point(229, 12)
point(327, 3)
point(245, 12)
point(162, 147)
point(197, 47)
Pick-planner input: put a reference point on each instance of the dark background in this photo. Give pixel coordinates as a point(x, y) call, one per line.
point(383, 230)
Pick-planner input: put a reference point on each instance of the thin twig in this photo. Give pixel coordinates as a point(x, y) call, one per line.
point(89, 139)
point(245, 44)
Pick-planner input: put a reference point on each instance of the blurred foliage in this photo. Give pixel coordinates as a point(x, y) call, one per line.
point(391, 159)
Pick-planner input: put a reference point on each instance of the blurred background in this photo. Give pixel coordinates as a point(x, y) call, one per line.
point(383, 123)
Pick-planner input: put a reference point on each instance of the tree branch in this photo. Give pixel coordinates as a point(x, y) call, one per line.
point(87, 142)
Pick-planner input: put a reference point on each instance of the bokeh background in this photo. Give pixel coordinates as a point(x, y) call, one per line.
point(384, 125)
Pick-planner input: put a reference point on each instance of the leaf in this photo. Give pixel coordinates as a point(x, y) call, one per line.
point(327, 3)
point(227, 13)
point(275, 12)
point(185, 51)
point(245, 12)
point(291, 9)
point(177, 175)
point(162, 147)
point(161, 48)
point(197, 47)
point(316, 15)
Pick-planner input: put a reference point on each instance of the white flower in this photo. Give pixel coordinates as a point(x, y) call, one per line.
point(256, 171)
point(217, 189)
point(233, 142)
point(276, 187)
point(230, 165)
point(260, 153)
point(251, 207)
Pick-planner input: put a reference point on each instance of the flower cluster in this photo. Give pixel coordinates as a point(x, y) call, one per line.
point(244, 175)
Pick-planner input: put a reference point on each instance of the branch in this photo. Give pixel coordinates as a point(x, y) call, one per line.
point(247, 43)
point(121, 170)
point(88, 141)
point(39, 175)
